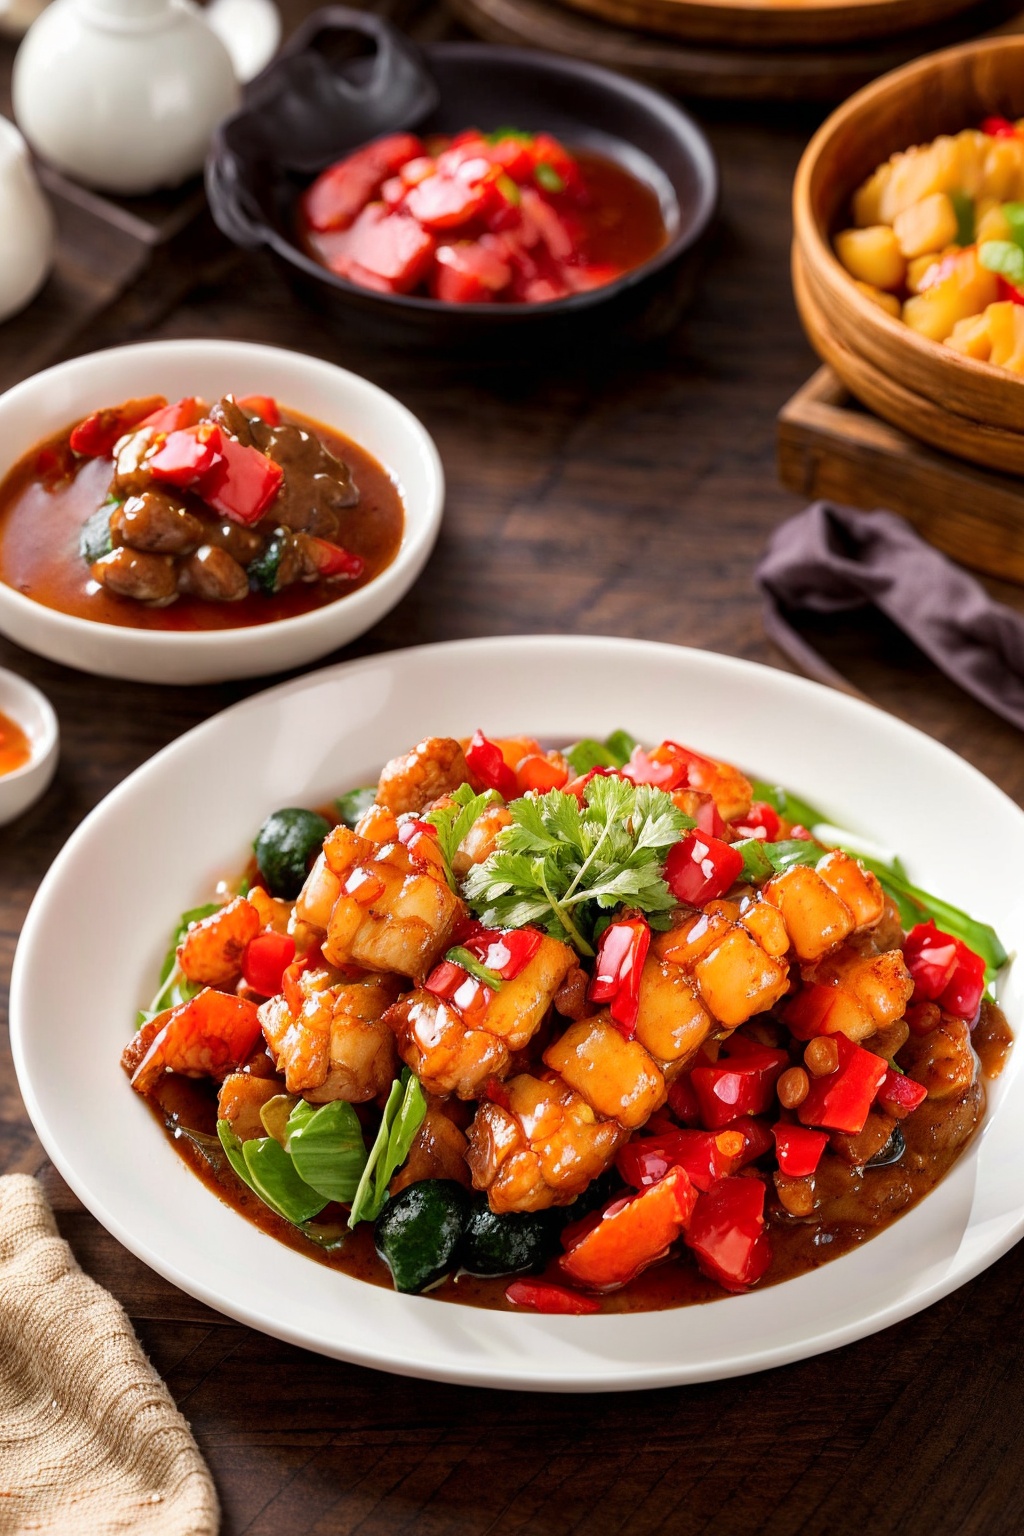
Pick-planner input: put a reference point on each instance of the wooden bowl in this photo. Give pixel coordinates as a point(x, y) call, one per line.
point(957, 404)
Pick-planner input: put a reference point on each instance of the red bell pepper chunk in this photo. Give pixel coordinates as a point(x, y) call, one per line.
point(944, 970)
point(900, 1095)
point(807, 1014)
point(1008, 291)
point(468, 273)
point(187, 412)
point(442, 203)
point(487, 763)
point(452, 984)
point(705, 1156)
point(241, 483)
point(798, 1149)
point(762, 820)
point(263, 406)
point(617, 969)
point(340, 193)
point(537, 772)
point(701, 868)
point(755, 1135)
point(265, 960)
point(645, 768)
point(683, 1102)
point(186, 455)
point(96, 435)
point(841, 1100)
point(1000, 128)
point(332, 561)
point(738, 1085)
point(705, 813)
point(542, 1296)
point(387, 251)
point(505, 951)
point(631, 1234)
point(727, 1233)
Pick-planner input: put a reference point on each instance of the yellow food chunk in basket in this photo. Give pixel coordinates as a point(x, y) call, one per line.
point(1006, 327)
point(929, 225)
point(990, 222)
point(973, 337)
point(872, 256)
point(887, 301)
point(965, 289)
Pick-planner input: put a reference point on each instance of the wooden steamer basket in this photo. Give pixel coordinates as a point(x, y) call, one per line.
point(957, 404)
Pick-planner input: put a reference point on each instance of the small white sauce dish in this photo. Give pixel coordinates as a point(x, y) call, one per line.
point(48, 402)
point(32, 710)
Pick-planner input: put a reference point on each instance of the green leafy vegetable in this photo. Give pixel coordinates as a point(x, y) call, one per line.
point(94, 541)
point(786, 803)
point(276, 1180)
point(326, 1146)
point(351, 806)
point(614, 752)
point(453, 822)
point(1013, 213)
point(761, 860)
point(263, 571)
point(963, 207)
point(403, 1116)
point(622, 746)
point(174, 988)
point(459, 956)
point(1005, 257)
point(560, 864)
point(328, 1235)
point(547, 177)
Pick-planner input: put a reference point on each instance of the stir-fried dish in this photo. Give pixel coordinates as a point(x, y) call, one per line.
point(939, 241)
point(195, 516)
point(480, 218)
point(575, 1030)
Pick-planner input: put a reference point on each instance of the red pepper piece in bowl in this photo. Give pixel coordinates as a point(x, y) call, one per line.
point(542, 1296)
point(842, 1100)
point(727, 1233)
point(95, 436)
point(630, 1234)
point(617, 971)
point(340, 193)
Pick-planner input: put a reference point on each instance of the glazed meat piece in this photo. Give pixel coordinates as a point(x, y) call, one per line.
point(617, 1077)
point(816, 918)
point(734, 976)
point(133, 573)
point(943, 1060)
point(213, 575)
point(212, 949)
point(240, 1100)
point(337, 1047)
point(414, 781)
point(317, 486)
point(154, 522)
point(438, 1151)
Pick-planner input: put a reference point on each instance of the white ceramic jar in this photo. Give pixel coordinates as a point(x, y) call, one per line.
point(26, 224)
point(123, 95)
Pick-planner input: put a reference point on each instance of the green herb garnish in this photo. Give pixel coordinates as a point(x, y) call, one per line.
point(548, 178)
point(614, 752)
point(459, 956)
point(454, 820)
point(354, 805)
point(402, 1118)
point(560, 864)
point(327, 1148)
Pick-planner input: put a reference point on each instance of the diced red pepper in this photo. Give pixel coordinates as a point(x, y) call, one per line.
point(263, 406)
point(186, 456)
point(421, 840)
point(265, 961)
point(1007, 291)
point(487, 763)
point(705, 812)
point(798, 1148)
point(762, 820)
point(341, 192)
point(756, 1136)
point(468, 273)
point(701, 868)
point(617, 969)
point(727, 1233)
point(1000, 128)
point(841, 1100)
point(900, 1095)
point(705, 1156)
point(944, 970)
point(644, 768)
point(542, 1296)
point(631, 1234)
point(452, 984)
point(241, 483)
point(96, 435)
point(187, 412)
point(807, 1013)
point(738, 1085)
point(505, 951)
point(540, 772)
point(332, 561)
point(682, 1100)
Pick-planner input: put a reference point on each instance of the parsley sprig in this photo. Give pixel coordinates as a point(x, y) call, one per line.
point(560, 865)
point(454, 821)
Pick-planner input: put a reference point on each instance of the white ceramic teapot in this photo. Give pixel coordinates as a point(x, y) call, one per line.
point(124, 94)
point(26, 224)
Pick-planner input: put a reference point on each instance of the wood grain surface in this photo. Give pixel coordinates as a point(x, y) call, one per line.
point(630, 497)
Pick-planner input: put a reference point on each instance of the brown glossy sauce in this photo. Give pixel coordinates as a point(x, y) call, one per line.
point(41, 518)
point(15, 747)
point(856, 1203)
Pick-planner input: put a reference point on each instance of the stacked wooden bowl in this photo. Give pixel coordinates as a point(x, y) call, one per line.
point(799, 50)
point(970, 409)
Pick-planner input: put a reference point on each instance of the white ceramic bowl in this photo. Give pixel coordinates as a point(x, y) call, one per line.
point(376, 421)
point(332, 730)
point(32, 710)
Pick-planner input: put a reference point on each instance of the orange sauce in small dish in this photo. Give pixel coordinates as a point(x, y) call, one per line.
point(15, 747)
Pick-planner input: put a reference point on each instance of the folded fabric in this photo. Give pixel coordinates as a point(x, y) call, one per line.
point(831, 559)
point(90, 1440)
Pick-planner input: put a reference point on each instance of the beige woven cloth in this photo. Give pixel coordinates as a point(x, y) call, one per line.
point(90, 1440)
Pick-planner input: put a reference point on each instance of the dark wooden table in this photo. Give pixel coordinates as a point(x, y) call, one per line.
point(628, 498)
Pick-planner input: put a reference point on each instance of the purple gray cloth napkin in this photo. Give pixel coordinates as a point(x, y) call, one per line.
point(832, 559)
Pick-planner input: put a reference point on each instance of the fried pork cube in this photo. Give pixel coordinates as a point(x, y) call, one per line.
point(852, 993)
point(672, 1022)
point(617, 1077)
point(438, 1151)
point(339, 1046)
point(855, 886)
point(734, 976)
point(211, 951)
point(240, 1100)
point(943, 1060)
point(414, 781)
point(816, 919)
point(542, 1147)
point(378, 906)
point(446, 1055)
point(516, 1011)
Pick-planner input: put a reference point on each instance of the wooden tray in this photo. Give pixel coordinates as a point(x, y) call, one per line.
point(752, 74)
point(830, 447)
point(775, 23)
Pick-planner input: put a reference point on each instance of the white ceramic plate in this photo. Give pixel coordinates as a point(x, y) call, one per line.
point(157, 843)
point(49, 401)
